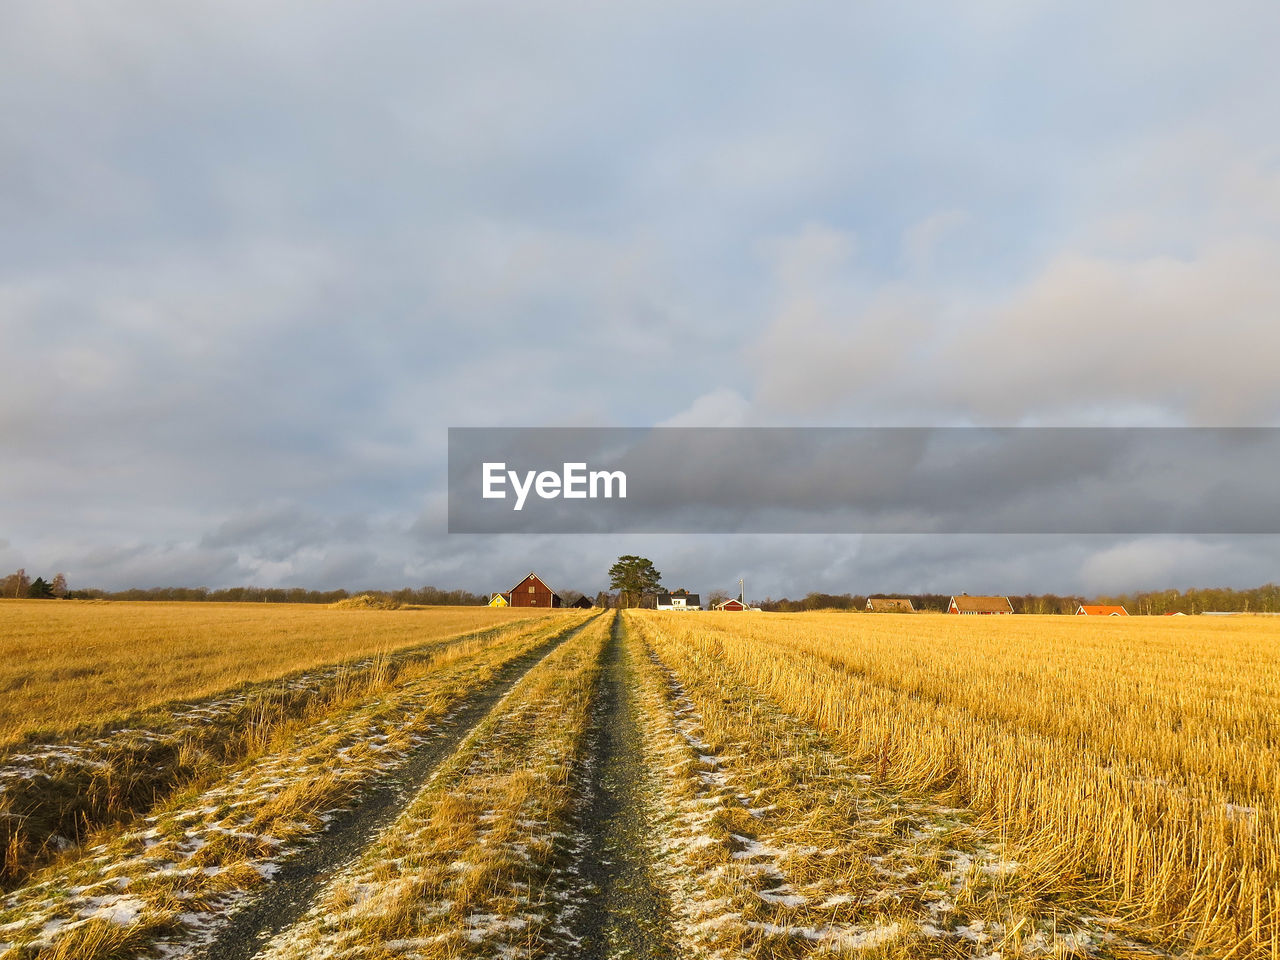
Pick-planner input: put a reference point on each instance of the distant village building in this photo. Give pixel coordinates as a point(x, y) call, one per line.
point(1175, 613)
point(583, 603)
point(1101, 610)
point(680, 600)
point(736, 603)
point(532, 591)
point(966, 604)
point(890, 605)
point(500, 600)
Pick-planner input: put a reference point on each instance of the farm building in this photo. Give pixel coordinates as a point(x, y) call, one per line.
point(680, 600)
point(1175, 613)
point(890, 605)
point(979, 605)
point(1101, 610)
point(583, 603)
point(500, 600)
point(532, 591)
point(736, 603)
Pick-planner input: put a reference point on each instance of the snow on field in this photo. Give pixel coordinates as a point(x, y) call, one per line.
point(711, 871)
point(198, 855)
point(844, 864)
point(190, 864)
point(46, 761)
point(482, 856)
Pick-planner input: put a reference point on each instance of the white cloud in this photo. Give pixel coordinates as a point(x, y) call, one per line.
point(1197, 335)
point(724, 407)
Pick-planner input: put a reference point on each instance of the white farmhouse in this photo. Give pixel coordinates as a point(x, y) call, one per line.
point(680, 600)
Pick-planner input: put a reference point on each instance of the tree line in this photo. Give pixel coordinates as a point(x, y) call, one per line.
point(19, 585)
point(636, 582)
point(1264, 599)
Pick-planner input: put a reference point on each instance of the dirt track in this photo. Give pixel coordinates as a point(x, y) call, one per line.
point(627, 914)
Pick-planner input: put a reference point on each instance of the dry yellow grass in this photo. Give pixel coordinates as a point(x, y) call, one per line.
point(1132, 763)
point(53, 794)
point(213, 838)
point(68, 664)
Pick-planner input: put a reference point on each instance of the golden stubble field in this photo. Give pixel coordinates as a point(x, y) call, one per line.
point(1132, 763)
point(65, 664)
point(646, 784)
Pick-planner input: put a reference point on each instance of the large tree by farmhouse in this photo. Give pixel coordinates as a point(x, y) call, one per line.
point(633, 577)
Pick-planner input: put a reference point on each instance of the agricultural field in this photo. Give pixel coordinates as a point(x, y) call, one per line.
point(77, 664)
point(592, 784)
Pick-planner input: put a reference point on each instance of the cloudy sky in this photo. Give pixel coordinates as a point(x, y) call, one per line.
point(256, 258)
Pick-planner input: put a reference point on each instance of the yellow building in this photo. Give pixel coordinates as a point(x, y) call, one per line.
point(498, 600)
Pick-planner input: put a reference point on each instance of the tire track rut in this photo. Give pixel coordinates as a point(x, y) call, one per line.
point(627, 914)
point(300, 878)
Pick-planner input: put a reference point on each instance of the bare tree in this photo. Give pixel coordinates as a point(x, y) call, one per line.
point(15, 585)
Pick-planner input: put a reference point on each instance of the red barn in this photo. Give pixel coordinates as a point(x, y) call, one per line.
point(533, 592)
point(734, 604)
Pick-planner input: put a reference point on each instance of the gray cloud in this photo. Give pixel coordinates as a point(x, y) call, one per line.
point(276, 533)
point(253, 265)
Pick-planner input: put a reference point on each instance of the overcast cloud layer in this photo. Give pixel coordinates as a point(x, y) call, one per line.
point(256, 258)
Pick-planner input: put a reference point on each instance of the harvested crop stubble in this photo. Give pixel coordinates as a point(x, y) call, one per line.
point(67, 666)
point(53, 794)
point(480, 864)
point(193, 857)
point(1132, 764)
point(786, 848)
